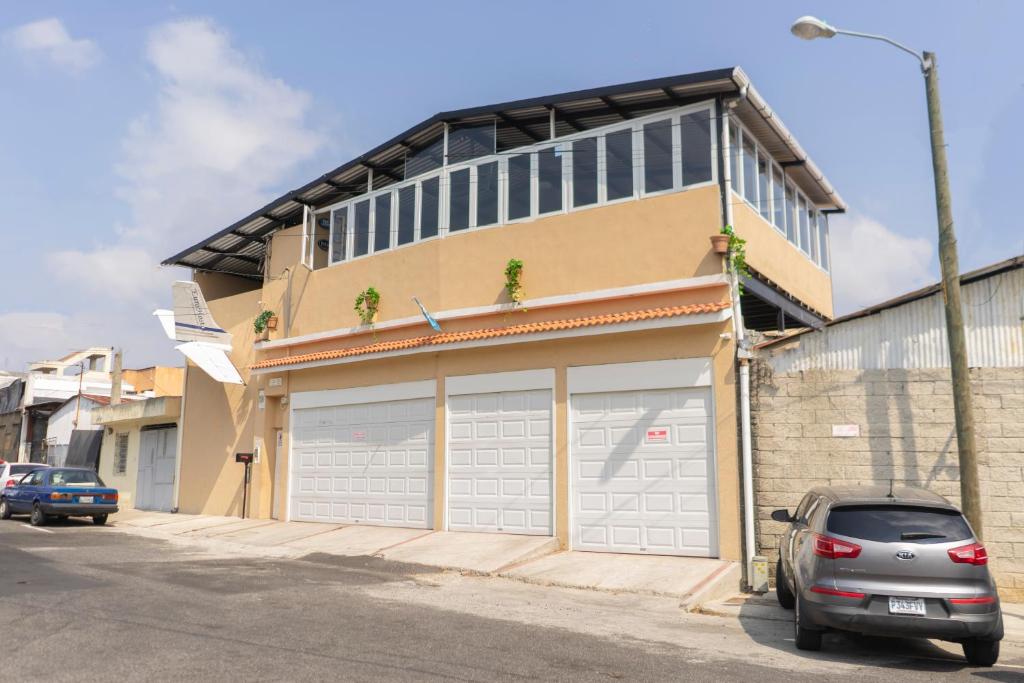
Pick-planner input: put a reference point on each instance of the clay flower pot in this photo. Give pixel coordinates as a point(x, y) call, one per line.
point(720, 244)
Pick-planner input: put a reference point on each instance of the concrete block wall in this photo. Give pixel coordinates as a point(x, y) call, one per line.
point(907, 433)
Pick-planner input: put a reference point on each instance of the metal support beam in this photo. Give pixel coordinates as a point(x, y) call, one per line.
point(617, 108)
point(568, 118)
point(518, 126)
point(382, 171)
point(766, 293)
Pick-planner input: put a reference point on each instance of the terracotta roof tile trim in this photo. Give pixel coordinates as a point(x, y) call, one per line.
point(495, 332)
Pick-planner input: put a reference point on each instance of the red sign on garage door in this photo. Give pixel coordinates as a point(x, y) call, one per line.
point(657, 435)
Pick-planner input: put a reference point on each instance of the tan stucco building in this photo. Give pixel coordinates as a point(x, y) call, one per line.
point(602, 409)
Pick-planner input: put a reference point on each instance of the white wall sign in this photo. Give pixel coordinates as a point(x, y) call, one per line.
point(845, 430)
point(274, 382)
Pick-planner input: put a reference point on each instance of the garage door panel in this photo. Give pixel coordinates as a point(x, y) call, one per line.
point(349, 468)
point(642, 472)
point(499, 464)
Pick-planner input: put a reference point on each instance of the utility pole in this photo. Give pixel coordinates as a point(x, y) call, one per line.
point(78, 401)
point(963, 410)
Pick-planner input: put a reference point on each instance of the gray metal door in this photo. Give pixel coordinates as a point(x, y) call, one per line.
point(154, 489)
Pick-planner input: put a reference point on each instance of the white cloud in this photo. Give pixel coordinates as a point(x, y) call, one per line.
point(871, 263)
point(221, 140)
point(49, 39)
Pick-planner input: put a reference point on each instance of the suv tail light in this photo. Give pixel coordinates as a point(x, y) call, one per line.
point(833, 548)
point(974, 553)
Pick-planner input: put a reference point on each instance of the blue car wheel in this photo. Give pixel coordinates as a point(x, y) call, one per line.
point(5, 509)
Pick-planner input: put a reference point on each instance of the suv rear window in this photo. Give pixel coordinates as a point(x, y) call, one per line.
point(898, 523)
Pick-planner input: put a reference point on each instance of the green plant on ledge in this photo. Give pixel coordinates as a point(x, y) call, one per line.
point(260, 323)
point(367, 303)
point(737, 255)
point(513, 280)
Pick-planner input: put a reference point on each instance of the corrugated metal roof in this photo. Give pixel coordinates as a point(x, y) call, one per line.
point(910, 331)
point(240, 248)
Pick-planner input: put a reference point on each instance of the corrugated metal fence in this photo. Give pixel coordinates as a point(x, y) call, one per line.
point(913, 335)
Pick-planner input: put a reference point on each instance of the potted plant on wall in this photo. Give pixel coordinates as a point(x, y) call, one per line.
point(265, 321)
point(514, 281)
point(736, 261)
point(367, 305)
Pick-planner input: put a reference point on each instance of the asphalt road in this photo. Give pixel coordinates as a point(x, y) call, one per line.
point(85, 603)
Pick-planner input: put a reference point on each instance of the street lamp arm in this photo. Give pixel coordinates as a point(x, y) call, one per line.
point(925, 62)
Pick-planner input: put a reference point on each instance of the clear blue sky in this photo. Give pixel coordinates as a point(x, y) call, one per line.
point(131, 130)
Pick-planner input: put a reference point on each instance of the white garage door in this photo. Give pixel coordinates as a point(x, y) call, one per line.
point(499, 462)
point(642, 472)
point(366, 463)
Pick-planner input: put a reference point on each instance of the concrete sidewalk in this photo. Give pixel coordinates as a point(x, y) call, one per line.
point(531, 559)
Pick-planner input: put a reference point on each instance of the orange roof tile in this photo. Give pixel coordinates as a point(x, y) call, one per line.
point(494, 332)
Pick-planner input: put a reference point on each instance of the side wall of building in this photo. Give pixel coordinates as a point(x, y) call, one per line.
point(906, 433)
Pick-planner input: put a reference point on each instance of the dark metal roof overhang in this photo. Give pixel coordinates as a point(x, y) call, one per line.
point(240, 248)
point(767, 308)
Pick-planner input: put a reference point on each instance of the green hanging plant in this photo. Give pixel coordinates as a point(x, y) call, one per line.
point(367, 304)
point(260, 323)
point(513, 281)
point(737, 255)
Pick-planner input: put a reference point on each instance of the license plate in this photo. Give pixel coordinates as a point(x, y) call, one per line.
point(913, 606)
point(85, 499)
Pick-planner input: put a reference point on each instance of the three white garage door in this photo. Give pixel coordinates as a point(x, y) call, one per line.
point(642, 472)
point(499, 462)
point(364, 463)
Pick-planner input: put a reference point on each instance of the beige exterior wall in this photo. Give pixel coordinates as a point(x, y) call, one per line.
point(775, 257)
point(125, 483)
point(685, 342)
point(907, 433)
point(218, 417)
point(162, 381)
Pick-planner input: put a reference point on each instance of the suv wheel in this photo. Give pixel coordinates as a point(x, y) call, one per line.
point(782, 592)
point(981, 652)
point(38, 517)
point(806, 639)
point(5, 509)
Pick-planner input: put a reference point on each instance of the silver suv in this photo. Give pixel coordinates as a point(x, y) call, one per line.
point(887, 562)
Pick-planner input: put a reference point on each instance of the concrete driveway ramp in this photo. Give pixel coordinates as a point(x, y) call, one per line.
point(693, 580)
point(357, 540)
point(475, 552)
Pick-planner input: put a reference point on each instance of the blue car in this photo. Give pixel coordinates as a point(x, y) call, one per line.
point(60, 492)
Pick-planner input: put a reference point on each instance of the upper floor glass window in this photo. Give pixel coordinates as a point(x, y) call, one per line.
point(823, 252)
point(734, 157)
point(695, 134)
point(361, 228)
point(458, 201)
point(584, 172)
point(778, 199)
point(428, 159)
point(519, 186)
point(805, 230)
point(658, 156)
point(618, 164)
point(470, 142)
point(430, 207)
point(764, 203)
point(549, 180)
point(339, 234)
point(382, 222)
point(407, 214)
point(749, 170)
point(487, 193)
point(791, 220)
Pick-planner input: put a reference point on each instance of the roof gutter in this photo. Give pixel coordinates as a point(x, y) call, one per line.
point(742, 82)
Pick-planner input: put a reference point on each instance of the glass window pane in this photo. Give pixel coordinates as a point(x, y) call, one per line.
point(791, 215)
point(470, 142)
point(519, 186)
point(695, 130)
point(362, 228)
point(812, 235)
point(823, 240)
point(339, 234)
point(430, 207)
point(734, 159)
point(549, 180)
point(658, 156)
point(458, 204)
point(584, 172)
point(382, 222)
point(425, 160)
point(805, 229)
point(618, 163)
point(406, 214)
point(487, 193)
point(762, 187)
point(749, 171)
point(778, 193)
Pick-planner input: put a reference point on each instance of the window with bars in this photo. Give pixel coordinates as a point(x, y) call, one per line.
point(121, 454)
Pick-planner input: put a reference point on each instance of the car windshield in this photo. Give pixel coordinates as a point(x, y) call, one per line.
point(74, 478)
point(898, 523)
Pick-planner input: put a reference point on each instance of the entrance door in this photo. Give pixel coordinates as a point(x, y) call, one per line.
point(154, 488)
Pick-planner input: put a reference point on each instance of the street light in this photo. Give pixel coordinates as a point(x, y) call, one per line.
point(809, 28)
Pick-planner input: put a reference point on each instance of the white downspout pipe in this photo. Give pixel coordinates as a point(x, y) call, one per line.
point(749, 537)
